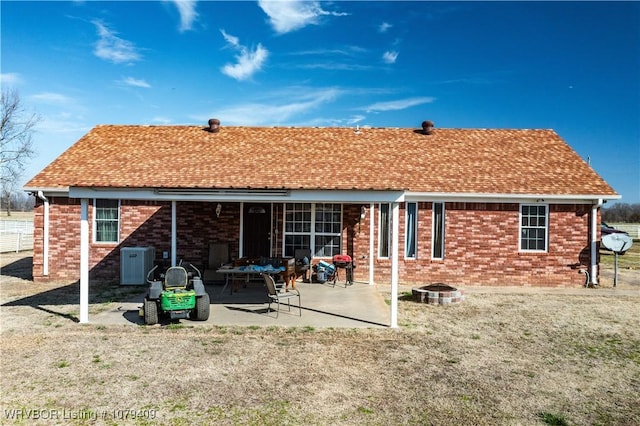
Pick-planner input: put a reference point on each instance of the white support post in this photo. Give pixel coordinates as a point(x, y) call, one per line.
point(594, 242)
point(174, 233)
point(45, 240)
point(372, 222)
point(45, 234)
point(394, 264)
point(240, 242)
point(18, 241)
point(84, 261)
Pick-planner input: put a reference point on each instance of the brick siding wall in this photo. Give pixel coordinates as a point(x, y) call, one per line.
point(481, 248)
point(141, 224)
point(64, 239)
point(481, 242)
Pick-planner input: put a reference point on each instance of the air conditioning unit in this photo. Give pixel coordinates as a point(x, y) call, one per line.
point(135, 264)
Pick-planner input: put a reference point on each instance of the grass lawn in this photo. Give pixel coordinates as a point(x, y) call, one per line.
point(508, 358)
point(514, 358)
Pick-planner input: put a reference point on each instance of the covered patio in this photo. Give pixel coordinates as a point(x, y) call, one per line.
point(369, 198)
point(323, 306)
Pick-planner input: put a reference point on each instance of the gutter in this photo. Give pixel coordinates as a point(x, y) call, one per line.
point(514, 198)
point(45, 236)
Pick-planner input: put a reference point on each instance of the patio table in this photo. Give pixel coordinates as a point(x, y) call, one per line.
point(246, 271)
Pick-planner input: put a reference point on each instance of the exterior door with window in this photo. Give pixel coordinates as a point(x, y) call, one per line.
point(256, 239)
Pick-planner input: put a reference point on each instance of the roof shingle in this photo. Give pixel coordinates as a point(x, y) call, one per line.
point(486, 161)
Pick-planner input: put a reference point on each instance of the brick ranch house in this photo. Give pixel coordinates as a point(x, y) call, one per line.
point(417, 206)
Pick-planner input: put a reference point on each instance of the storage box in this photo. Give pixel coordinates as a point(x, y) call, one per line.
point(327, 267)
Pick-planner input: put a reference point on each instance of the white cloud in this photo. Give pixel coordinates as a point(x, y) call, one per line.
point(112, 48)
point(281, 107)
point(290, 15)
point(333, 66)
point(390, 57)
point(130, 81)
point(355, 119)
point(10, 78)
point(384, 27)
point(248, 61)
point(51, 98)
point(63, 123)
point(162, 120)
point(232, 40)
point(335, 122)
point(188, 14)
point(398, 105)
point(468, 80)
point(350, 51)
point(353, 58)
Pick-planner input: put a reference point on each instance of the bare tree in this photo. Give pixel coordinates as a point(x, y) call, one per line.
point(16, 146)
point(622, 213)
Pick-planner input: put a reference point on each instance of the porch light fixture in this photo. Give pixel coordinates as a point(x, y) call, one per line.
point(363, 214)
point(218, 210)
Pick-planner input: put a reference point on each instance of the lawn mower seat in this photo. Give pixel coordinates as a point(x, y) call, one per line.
point(176, 276)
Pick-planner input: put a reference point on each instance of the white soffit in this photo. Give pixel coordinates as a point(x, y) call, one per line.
point(337, 196)
point(237, 195)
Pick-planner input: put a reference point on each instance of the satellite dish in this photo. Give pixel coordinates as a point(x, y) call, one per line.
point(617, 243)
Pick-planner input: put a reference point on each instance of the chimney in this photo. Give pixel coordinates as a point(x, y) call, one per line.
point(214, 125)
point(427, 127)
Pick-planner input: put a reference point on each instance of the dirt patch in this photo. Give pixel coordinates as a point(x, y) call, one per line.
point(503, 358)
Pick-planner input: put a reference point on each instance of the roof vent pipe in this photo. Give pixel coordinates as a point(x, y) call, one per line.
point(214, 125)
point(427, 127)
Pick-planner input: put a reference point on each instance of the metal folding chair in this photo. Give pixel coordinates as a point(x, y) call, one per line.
point(276, 295)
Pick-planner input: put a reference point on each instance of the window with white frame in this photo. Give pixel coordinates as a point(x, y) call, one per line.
point(313, 226)
point(533, 227)
point(328, 227)
point(411, 230)
point(384, 230)
point(106, 222)
point(437, 234)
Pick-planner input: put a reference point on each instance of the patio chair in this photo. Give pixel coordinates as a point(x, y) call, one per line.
point(276, 295)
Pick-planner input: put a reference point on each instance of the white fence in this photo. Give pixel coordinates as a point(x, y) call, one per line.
point(16, 235)
point(632, 228)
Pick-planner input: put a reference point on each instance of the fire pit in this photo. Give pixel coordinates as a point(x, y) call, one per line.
point(437, 294)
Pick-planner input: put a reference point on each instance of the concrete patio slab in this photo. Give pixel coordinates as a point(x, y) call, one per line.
point(355, 306)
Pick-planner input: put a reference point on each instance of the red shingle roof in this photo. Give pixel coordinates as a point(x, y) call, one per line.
point(491, 161)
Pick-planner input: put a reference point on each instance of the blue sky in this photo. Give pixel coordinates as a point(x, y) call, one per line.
point(570, 66)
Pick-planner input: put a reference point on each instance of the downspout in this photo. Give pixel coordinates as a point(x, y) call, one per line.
point(45, 235)
point(594, 241)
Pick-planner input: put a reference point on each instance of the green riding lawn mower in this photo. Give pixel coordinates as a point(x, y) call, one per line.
point(177, 295)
